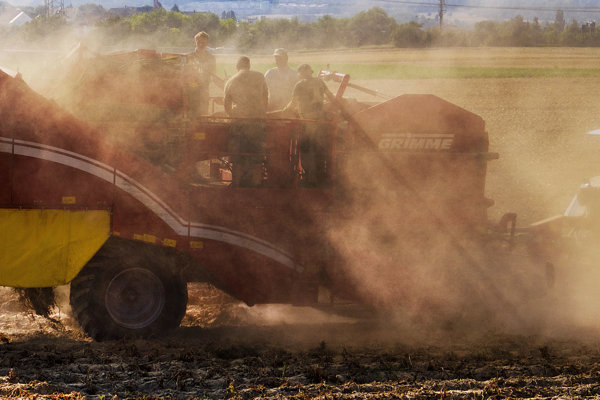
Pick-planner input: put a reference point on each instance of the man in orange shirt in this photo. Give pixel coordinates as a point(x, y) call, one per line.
point(202, 66)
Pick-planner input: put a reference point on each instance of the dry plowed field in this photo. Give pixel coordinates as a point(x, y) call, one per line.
point(227, 350)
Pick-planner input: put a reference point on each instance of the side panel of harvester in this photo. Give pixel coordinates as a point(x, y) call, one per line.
point(57, 162)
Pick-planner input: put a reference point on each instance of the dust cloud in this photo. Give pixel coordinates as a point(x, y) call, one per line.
point(435, 277)
point(538, 127)
point(403, 253)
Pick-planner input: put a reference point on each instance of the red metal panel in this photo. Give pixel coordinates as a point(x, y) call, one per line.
point(249, 276)
point(5, 173)
point(47, 183)
point(149, 204)
point(133, 220)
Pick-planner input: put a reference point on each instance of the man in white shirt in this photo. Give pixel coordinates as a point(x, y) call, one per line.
point(280, 81)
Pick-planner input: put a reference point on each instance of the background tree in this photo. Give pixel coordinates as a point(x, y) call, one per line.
point(409, 35)
point(162, 28)
point(44, 29)
point(519, 32)
point(91, 10)
point(449, 36)
point(327, 32)
point(537, 33)
point(572, 35)
point(227, 29)
point(485, 33)
point(370, 27)
point(207, 22)
point(114, 28)
point(39, 10)
point(559, 21)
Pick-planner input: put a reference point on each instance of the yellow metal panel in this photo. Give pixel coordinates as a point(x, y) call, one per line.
point(196, 245)
point(169, 242)
point(69, 200)
point(43, 248)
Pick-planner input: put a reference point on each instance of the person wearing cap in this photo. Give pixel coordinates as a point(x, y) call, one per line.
point(280, 81)
point(308, 96)
point(200, 67)
point(246, 97)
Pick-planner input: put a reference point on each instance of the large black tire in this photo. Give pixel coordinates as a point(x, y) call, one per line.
point(128, 294)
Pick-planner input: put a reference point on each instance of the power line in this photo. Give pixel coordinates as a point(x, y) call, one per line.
point(555, 8)
point(569, 9)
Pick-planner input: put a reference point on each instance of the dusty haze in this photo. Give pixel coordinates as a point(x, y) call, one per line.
point(537, 125)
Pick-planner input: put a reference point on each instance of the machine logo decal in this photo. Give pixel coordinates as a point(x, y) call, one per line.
point(415, 141)
point(146, 197)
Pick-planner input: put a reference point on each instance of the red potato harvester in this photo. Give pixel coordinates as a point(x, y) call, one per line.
point(129, 198)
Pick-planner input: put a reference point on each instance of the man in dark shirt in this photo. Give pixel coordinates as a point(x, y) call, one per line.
point(246, 97)
point(308, 97)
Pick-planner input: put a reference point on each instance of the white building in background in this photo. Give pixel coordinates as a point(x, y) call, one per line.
point(242, 9)
point(255, 9)
point(7, 13)
point(20, 19)
point(12, 16)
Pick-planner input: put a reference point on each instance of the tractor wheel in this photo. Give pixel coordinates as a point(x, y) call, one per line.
point(115, 297)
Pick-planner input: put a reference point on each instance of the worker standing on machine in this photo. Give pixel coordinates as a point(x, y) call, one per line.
point(246, 97)
point(201, 66)
point(308, 97)
point(280, 81)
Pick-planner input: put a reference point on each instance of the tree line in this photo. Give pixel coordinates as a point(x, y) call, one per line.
point(162, 28)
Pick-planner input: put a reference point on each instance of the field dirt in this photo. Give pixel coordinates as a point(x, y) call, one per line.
point(227, 350)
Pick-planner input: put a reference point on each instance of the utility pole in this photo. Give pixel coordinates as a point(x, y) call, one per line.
point(442, 10)
point(54, 7)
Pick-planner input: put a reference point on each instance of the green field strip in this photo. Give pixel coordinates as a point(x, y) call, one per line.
point(389, 71)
